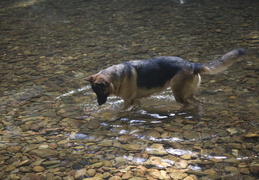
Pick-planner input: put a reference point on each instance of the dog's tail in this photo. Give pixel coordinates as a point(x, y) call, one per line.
point(220, 64)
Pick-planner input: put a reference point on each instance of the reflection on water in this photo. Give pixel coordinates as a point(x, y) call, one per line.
point(52, 127)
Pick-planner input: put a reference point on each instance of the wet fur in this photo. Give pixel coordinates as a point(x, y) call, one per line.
point(133, 80)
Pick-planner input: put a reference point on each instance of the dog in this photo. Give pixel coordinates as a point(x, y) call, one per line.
point(137, 79)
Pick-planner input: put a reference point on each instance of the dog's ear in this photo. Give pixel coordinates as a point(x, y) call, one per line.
point(89, 78)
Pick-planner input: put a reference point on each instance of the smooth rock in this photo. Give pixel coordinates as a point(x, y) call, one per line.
point(156, 149)
point(10, 168)
point(91, 172)
point(159, 162)
point(115, 178)
point(44, 153)
point(14, 149)
point(80, 173)
point(38, 169)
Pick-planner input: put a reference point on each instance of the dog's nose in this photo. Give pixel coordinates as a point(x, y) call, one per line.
point(101, 99)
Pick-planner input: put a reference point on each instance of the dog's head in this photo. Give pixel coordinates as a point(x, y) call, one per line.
point(101, 86)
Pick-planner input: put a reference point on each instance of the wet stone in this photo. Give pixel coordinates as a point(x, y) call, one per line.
point(10, 168)
point(156, 149)
point(44, 153)
point(38, 169)
point(15, 149)
point(25, 169)
point(91, 172)
point(191, 135)
point(80, 173)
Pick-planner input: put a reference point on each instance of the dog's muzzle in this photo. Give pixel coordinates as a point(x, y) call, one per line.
point(101, 98)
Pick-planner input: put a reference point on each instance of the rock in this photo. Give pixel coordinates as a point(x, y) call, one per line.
point(137, 178)
point(156, 149)
point(57, 178)
point(120, 161)
point(25, 169)
point(251, 135)
point(140, 171)
point(132, 147)
point(91, 172)
point(50, 163)
point(22, 163)
point(231, 169)
point(191, 177)
point(44, 153)
point(14, 149)
point(189, 135)
point(80, 173)
point(254, 167)
point(125, 139)
point(178, 175)
point(182, 164)
point(37, 177)
point(244, 170)
point(154, 173)
point(127, 175)
point(97, 165)
point(106, 175)
point(159, 162)
point(10, 168)
point(38, 169)
point(115, 178)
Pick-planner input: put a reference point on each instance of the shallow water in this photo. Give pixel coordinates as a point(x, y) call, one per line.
point(51, 126)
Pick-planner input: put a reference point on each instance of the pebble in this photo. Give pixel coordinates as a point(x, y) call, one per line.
point(38, 169)
point(15, 149)
point(80, 173)
point(157, 149)
point(43, 153)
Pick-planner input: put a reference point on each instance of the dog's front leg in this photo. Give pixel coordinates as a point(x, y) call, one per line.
point(128, 103)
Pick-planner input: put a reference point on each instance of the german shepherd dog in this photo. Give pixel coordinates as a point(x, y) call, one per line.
point(136, 79)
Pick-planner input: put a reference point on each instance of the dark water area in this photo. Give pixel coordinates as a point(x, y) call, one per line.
point(51, 126)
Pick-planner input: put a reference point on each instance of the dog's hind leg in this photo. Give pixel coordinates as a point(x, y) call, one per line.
point(184, 85)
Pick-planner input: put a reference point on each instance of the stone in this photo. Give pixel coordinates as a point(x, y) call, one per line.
point(154, 173)
point(91, 172)
point(156, 149)
point(132, 147)
point(254, 167)
point(182, 164)
point(10, 168)
point(38, 169)
point(127, 175)
point(22, 163)
point(97, 165)
point(178, 175)
point(244, 170)
point(231, 169)
point(106, 175)
point(115, 178)
point(25, 169)
point(80, 173)
point(159, 162)
point(137, 178)
point(189, 135)
point(44, 153)
point(186, 156)
point(15, 149)
point(251, 135)
point(37, 177)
